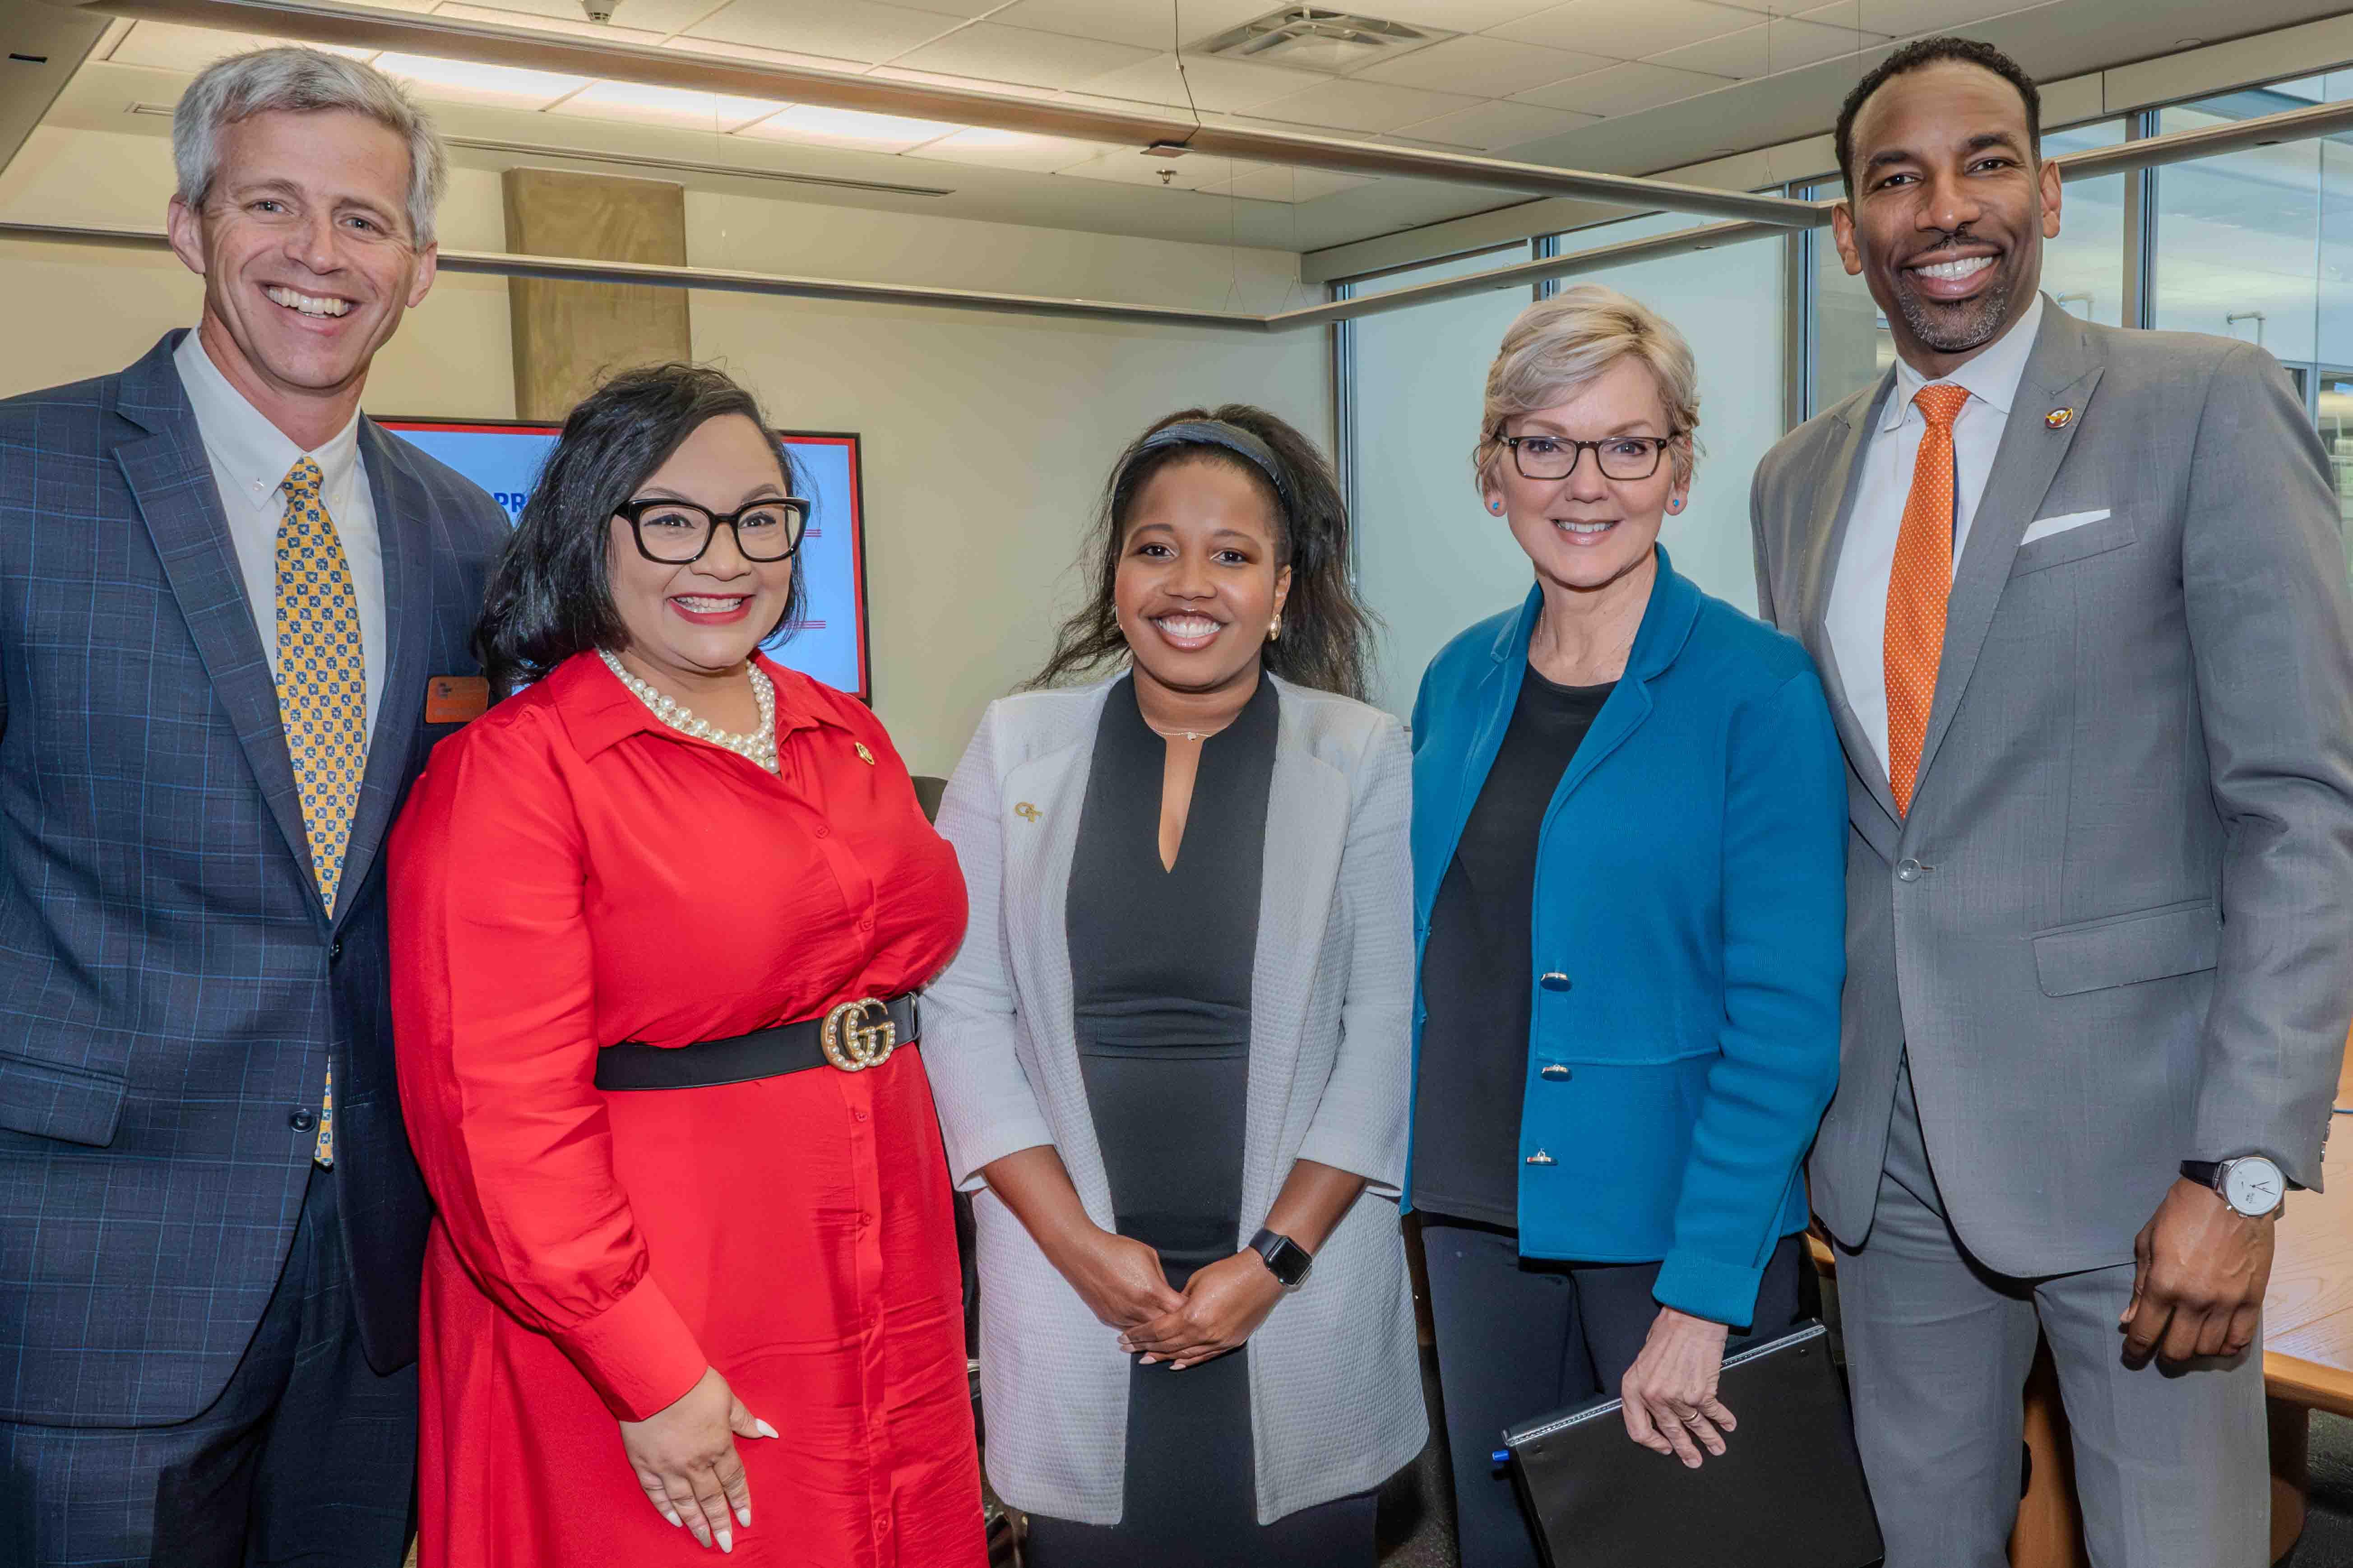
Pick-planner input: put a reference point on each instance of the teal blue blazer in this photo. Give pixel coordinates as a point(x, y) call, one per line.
point(1690, 911)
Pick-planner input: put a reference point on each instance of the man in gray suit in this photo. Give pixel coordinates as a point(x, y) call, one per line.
point(2079, 598)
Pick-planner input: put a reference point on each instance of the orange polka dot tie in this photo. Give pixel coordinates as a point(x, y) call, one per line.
point(1917, 587)
point(321, 695)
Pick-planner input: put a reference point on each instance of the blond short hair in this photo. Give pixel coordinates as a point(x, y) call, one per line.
point(1557, 346)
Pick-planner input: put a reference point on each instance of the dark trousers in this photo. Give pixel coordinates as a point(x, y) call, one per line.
point(1521, 1337)
point(308, 1457)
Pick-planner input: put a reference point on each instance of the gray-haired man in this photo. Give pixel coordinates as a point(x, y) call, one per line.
point(222, 593)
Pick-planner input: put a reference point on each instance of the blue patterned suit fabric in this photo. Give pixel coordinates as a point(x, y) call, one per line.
point(173, 985)
point(321, 695)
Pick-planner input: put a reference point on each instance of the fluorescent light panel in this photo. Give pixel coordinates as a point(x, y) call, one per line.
point(848, 128)
point(667, 106)
point(506, 85)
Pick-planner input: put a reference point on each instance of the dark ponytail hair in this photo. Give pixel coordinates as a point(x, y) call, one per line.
point(549, 596)
point(1327, 633)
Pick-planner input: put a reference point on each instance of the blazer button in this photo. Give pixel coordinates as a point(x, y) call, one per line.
point(1541, 1158)
point(1909, 869)
point(1554, 980)
point(1553, 1069)
point(302, 1122)
point(335, 951)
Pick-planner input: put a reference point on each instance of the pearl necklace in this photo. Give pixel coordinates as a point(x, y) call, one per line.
point(759, 747)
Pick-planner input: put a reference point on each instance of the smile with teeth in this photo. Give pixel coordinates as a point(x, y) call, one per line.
point(1583, 529)
point(1953, 271)
point(709, 603)
point(1187, 628)
point(308, 304)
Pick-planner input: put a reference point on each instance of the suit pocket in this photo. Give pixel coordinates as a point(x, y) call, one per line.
point(50, 1099)
point(2076, 544)
point(2125, 950)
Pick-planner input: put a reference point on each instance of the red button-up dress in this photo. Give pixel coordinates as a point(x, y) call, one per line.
point(570, 873)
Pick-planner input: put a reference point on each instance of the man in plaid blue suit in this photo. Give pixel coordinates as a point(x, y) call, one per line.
point(223, 595)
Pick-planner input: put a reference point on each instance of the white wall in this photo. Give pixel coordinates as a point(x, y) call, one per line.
point(987, 436)
point(1432, 560)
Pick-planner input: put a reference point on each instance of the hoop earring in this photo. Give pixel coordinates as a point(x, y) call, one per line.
point(1274, 630)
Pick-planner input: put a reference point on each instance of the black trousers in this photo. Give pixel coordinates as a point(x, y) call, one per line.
point(1520, 1337)
point(308, 1457)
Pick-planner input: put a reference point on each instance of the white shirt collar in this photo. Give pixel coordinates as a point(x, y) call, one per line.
point(240, 439)
point(1991, 376)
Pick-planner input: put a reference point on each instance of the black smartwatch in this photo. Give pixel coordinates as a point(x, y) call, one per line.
point(1285, 1258)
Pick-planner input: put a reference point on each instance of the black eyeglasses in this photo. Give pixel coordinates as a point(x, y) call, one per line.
point(1557, 457)
point(677, 533)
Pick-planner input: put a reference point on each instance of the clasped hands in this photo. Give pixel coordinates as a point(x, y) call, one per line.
point(1220, 1307)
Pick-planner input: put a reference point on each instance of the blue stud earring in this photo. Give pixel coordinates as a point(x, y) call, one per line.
point(1496, 507)
point(1676, 505)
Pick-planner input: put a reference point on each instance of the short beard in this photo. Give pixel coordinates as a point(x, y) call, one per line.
point(1976, 328)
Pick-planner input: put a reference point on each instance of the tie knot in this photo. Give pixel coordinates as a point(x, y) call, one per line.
point(304, 479)
point(1942, 403)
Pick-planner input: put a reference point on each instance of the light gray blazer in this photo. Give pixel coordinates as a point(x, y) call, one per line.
point(1336, 1384)
point(2115, 930)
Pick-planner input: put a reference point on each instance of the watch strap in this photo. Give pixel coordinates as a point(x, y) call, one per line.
point(2205, 1172)
point(1285, 1258)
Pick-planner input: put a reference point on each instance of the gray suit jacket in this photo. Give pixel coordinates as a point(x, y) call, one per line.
point(1335, 1385)
point(2115, 930)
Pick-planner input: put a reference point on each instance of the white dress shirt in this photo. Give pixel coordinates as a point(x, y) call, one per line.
point(1857, 617)
point(251, 459)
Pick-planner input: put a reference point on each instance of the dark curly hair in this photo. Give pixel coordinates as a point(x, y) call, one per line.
point(1327, 633)
point(1922, 52)
point(549, 596)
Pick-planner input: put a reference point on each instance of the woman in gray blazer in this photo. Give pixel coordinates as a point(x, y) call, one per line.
point(1171, 1059)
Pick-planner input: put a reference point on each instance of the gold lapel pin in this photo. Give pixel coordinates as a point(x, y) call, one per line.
point(1026, 812)
point(2057, 419)
point(864, 755)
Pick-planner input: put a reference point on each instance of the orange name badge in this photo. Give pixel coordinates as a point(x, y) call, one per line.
point(456, 699)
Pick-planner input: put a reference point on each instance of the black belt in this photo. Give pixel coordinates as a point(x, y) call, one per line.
point(853, 1036)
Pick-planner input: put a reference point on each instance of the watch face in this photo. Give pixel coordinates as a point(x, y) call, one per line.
point(2253, 1187)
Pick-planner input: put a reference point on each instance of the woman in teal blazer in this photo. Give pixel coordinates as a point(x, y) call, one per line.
point(1629, 846)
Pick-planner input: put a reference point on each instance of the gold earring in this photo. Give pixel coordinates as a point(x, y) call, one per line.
point(1274, 631)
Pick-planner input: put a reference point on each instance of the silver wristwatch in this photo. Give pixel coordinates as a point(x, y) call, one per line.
point(2251, 1185)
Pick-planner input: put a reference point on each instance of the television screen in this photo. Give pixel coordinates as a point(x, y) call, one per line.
point(829, 643)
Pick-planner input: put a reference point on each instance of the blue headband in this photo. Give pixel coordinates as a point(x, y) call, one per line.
point(1217, 433)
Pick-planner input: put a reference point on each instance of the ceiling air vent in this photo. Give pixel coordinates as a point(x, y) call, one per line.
point(1313, 39)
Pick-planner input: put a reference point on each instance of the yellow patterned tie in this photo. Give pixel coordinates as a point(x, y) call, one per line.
point(321, 695)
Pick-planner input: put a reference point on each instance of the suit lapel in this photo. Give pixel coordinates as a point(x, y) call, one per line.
point(178, 499)
point(404, 528)
point(1826, 542)
point(2061, 372)
point(1496, 696)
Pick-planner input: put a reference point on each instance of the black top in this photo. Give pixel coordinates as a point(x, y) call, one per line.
point(1476, 979)
point(1160, 972)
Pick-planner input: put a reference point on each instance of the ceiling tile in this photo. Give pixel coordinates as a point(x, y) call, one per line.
point(835, 29)
point(1018, 54)
point(663, 16)
point(1623, 89)
point(1456, 15)
point(717, 50)
point(1485, 66)
point(1627, 29)
point(1496, 124)
point(1294, 186)
point(1143, 24)
point(1009, 149)
point(1361, 106)
point(463, 81)
point(166, 45)
point(1901, 18)
point(576, 23)
point(1214, 86)
point(1128, 167)
point(1782, 44)
point(848, 128)
point(711, 111)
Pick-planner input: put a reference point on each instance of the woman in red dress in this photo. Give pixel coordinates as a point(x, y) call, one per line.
point(686, 1266)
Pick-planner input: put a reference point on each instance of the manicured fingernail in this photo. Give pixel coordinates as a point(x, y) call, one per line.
point(671, 1515)
point(766, 1430)
point(726, 1539)
point(743, 1516)
point(1148, 1361)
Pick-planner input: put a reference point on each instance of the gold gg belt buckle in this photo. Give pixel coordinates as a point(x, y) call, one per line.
point(853, 1044)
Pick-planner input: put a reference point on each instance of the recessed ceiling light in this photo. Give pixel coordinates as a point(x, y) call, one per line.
point(481, 83)
point(848, 128)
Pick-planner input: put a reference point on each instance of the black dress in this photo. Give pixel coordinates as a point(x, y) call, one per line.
point(1160, 970)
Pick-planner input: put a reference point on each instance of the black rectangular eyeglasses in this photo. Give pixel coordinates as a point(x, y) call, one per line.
point(677, 533)
point(1557, 457)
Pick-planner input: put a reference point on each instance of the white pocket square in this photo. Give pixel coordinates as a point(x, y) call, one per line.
point(2044, 527)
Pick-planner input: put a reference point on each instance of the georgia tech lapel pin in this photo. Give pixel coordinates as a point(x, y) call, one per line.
point(1027, 811)
point(2058, 419)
